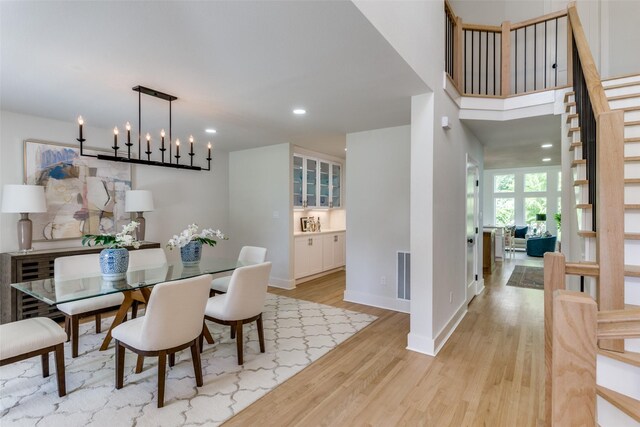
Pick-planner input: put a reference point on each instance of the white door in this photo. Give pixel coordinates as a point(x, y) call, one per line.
point(472, 230)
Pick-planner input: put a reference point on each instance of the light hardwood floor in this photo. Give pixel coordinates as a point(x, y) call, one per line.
point(490, 373)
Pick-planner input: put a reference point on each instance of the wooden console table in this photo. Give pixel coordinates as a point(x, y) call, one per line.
point(488, 251)
point(34, 265)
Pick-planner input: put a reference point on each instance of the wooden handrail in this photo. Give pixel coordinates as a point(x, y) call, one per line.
point(481, 27)
point(598, 98)
point(449, 10)
point(539, 20)
point(590, 269)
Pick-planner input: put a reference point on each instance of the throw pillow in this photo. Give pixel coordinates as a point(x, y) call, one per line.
point(521, 232)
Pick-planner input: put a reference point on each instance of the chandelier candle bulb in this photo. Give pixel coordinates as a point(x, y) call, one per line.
point(177, 151)
point(80, 123)
point(115, 141)
point(209, 147)
point(148, 146)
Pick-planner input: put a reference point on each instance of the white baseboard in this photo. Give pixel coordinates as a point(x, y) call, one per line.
point(282, 283)
point(420, 344)
point(377, 301)
point(450, 327)
point(480, 287)
point(430, 346)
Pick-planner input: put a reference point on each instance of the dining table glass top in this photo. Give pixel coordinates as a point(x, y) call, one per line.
point(53, 291)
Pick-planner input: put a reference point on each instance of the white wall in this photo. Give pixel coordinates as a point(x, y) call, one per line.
point(551, 194)
point(181, 197)
point(261, 206)
point(378, 183)
point(438, 171)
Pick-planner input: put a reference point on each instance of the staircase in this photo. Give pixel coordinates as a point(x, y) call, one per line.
point(603, 136)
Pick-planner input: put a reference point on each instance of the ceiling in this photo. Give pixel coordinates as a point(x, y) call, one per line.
point(239, 67)
point(517, 143)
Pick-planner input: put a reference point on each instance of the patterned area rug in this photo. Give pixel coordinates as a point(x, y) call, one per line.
point(297, 333)
point(527, 277)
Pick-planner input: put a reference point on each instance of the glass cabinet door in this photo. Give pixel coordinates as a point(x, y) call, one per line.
point(324, 184)
point(311, 183)
point(335, 186)
point(297, 181)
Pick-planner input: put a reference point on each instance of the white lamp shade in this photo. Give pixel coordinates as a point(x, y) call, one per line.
point(23, 199)
point(138, 201)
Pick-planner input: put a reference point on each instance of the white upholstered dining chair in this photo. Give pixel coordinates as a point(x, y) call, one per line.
point(74, 267)
point(172, 322)
point(77, 266)
point(248, 255)
point(243, 303)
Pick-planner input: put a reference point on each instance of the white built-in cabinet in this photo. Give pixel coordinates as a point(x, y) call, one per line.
point(316, 253)
point(333, 248)
point(308, 255)
point(317, 183)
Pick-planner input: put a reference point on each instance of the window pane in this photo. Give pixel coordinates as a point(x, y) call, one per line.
point(504, 211)
point(535, 181)
point(534, 206)
point(504, 183)
point(559, 181)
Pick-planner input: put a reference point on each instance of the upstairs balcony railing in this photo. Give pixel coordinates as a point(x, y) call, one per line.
point(510, 59)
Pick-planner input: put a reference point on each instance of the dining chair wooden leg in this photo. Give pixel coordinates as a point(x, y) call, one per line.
point(139, 363)
point(45, 364)
point(260, 333)
point(207, 334)
point(239, 342)
point(98, 323)
point(172, 360)
point(233, 331)
point(197, 366)
point(67, 327)
point(60, 372)
point(134, 310)
point(75, 334)
point(162, 369)
point(119, 365)
point(200, 342)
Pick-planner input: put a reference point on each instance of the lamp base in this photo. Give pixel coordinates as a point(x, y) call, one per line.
point(141, 227)
point(25, 233)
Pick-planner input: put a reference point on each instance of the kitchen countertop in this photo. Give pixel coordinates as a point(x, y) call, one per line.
point(310, 233)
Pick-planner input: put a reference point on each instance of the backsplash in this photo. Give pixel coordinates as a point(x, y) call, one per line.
point(329, 219)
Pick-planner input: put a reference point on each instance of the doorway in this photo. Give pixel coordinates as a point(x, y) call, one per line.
point(472, 228)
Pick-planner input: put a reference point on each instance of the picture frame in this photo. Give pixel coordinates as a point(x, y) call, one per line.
point(84, 195)
point(304, 223)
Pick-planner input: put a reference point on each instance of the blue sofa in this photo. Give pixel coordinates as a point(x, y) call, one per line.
point(537, 246)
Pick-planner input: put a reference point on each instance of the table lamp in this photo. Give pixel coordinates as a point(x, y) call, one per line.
point(138, 201)
point(24, 199)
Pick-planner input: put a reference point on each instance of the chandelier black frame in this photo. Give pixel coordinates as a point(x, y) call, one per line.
point(128, 159)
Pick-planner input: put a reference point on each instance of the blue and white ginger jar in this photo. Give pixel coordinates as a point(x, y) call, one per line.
point(114, 263)
point(191, 253)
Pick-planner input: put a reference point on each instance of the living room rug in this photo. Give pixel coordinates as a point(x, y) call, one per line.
point(524, 276)
point(297, 333)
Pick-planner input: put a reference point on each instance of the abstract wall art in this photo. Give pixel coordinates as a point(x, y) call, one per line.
point(84, 195)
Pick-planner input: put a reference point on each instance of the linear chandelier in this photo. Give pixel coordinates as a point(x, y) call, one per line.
point(139, 160)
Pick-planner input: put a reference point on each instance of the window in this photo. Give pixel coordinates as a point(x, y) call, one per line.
point(504, 183)
point(534, 206)
point(504, 211)
point(559, 182)
point(535, 182)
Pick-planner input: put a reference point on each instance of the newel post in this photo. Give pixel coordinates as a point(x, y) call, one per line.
point(554, 279)
point(505, 52)
point(575, 317)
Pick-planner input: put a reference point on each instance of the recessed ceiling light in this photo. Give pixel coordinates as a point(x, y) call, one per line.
point(299, 111)
point(210, 130)
point(547, 145)
point(546, 159)
point(345, 148)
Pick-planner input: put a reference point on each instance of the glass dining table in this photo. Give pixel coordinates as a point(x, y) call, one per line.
point(136, 287)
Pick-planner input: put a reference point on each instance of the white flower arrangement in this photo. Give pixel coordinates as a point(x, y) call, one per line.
point(119, 240)
point(190, 234)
